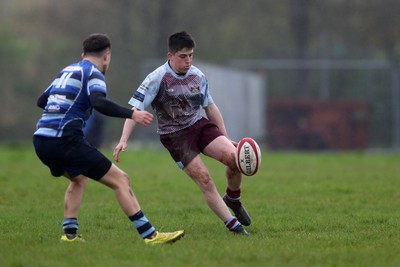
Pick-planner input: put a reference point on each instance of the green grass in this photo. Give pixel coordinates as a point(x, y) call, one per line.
point(337, 209)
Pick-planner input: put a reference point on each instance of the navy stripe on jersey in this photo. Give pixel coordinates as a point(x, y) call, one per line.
point(68, 99)
point(138, 96)
point(97, 75)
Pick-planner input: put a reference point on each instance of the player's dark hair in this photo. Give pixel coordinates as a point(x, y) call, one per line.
point(180, 40)
point(96, 43)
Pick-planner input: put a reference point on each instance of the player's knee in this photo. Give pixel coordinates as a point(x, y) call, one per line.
point(204, 181)
point(80, 181)
point(123, 179)
point(118, 179)
point(231, 164)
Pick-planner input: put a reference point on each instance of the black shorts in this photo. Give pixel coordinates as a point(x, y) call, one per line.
point(73, 155)
point(186, 144)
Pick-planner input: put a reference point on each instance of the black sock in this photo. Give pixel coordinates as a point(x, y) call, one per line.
point(70, 226)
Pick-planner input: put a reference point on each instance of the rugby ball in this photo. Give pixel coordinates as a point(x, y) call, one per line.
point(248, 156)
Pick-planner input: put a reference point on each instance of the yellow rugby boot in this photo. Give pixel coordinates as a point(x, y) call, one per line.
point(77, 239)
point(165, 238)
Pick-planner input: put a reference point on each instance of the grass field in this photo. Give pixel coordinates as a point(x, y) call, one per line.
point(316, 209)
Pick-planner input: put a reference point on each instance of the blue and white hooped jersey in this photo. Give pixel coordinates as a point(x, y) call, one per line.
point(68, 103)
point(176, 99)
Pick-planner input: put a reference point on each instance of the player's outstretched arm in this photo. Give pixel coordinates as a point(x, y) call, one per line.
point(214, 115)
point(123, 142)
point(142, 117)
point(138, 116)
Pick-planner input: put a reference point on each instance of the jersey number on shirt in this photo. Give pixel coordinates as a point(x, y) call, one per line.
point(62, 82)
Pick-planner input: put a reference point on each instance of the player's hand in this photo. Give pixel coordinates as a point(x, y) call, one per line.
point(120, 147)
point(142, 117)
point(234, 143)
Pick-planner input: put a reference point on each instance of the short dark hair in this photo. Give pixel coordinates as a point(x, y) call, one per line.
point(180, 40)
point(96, 43)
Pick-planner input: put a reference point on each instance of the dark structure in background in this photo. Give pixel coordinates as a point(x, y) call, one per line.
point(317, 125)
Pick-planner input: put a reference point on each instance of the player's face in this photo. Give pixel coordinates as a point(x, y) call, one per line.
point(181, 61)
point(107, 60)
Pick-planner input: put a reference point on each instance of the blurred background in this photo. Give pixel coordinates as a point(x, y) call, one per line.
point(294, 74)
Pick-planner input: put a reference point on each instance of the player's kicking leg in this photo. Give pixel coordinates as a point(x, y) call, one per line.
point(223, 150)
